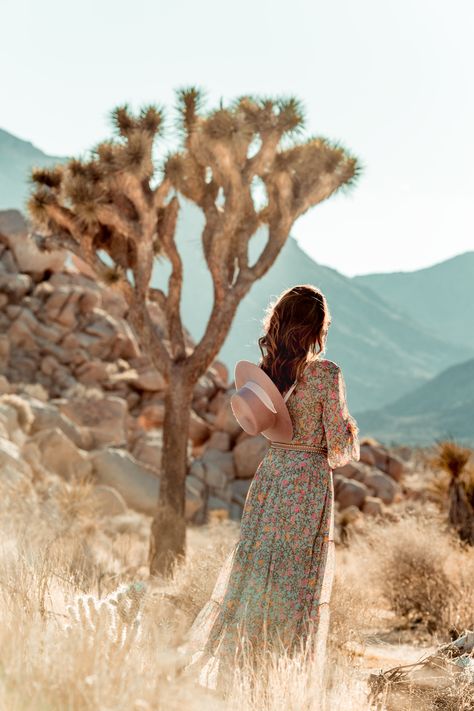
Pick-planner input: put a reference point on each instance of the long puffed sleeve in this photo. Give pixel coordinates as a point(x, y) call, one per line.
point(342, 431)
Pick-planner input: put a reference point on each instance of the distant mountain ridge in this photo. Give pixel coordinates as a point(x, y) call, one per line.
point(440, 297)
point(17, 157)
point(441, 408)
point(384, 350)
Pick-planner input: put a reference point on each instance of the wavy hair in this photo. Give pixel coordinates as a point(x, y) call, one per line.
point(295, 326)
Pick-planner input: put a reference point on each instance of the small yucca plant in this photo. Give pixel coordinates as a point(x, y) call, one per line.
point(112, 624)
point(456, 462)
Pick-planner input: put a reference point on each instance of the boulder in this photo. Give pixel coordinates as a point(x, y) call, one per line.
point(148, 447)
point(29, 258)
point(366, 455)
point(145, 376)
point(217, 509)
point(349, 492)
point(47, 417)
point(92, 372)
point(222, 371)
point(15, 285)
point(105, 418)
point(4, 351)
point(382, 486)
point(16, 416)
point(388, 463)
point(139, 485)
point(27, 331)
point(199, 430)
point(60, 455)
point(373, 506)
point(217, 402)
point(195, 497)
point(219, 467)
point(219, 440)
point(62, 305)
point(239, 490)
point(152, 416)
point(5, 386)
point(10, 457)
point(205, 387)
point(248, 454)
point(225, 419)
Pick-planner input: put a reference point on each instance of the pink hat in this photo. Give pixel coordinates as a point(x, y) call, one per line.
point(258, 405)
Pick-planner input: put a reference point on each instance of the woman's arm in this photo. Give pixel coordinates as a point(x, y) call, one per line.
point(342, 431)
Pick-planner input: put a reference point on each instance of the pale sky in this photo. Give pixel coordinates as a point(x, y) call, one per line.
point(390, 79)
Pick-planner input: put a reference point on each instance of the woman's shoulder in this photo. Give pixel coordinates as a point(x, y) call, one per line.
point(325, 365)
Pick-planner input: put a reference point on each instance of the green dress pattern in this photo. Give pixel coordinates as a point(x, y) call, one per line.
point(275, 584)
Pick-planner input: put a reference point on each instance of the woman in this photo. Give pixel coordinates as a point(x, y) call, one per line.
point(275, 585)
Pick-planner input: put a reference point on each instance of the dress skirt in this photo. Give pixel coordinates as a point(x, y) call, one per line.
point(274, 588)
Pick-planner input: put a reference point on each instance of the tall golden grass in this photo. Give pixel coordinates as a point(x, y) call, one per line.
point(84, 628)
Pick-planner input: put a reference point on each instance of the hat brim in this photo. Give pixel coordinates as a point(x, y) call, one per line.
point(282, 430)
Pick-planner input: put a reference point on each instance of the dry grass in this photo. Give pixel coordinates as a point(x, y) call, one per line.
point(79, 632)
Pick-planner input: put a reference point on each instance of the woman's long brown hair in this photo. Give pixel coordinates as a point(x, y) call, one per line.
point(295, 326)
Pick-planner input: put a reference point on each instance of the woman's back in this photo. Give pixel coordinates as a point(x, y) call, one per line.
point(319, 413)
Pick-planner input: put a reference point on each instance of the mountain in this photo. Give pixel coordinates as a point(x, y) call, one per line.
point(441, 297)
point(441, 408)
point(383, 352)
point(17, 157)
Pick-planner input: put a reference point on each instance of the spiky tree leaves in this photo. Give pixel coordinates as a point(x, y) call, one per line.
point(118, 203)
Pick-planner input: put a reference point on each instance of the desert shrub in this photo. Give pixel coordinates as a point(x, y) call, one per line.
point(423, 572)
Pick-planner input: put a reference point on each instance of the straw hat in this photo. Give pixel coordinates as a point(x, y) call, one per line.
point(258, 405)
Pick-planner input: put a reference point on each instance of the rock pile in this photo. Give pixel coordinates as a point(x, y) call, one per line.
point(97, 406)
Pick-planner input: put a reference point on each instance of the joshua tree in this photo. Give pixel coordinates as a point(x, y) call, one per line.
point(118, 203)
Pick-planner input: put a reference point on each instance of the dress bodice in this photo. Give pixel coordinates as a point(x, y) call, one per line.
point(319, 413)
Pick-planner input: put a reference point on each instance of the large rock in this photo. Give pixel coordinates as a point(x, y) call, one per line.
point(148, 448)
point(15, 285)
point(144, 376)
point(195, 498)
point(219, 440)
point(47, 417)
point(27, 255)
point(219, 467)
point(349, 492)
point(139, 485)
point(248, 454)
point(366, 455)
point(221, 370)
point(382, 486)
point(225, 419)
point(373, 506)
point(152, 416)
point(27, 331)
point(199, 429)
point(388, 463)
point(205, 386)
point(239, 490)
point(60, 455)
point(105, 418)
point(10, 457)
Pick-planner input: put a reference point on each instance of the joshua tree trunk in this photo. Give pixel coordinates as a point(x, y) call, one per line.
point(168, 531)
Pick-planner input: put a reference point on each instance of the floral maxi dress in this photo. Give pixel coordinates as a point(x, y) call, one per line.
point(276, 582)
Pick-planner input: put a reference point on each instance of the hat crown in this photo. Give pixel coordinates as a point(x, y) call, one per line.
point(258, 405)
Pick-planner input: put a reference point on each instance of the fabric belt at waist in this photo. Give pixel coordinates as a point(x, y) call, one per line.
point(321, 449)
